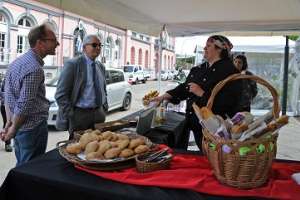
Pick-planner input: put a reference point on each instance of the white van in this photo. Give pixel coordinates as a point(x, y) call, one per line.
point(134, 74)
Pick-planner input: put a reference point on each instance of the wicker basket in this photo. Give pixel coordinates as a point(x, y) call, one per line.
point(143, 166)
point(248, 171)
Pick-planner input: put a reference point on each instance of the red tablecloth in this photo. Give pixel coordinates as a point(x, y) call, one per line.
point(193, 172)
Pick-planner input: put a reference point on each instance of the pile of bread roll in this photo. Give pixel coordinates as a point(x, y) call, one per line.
point(107, 145)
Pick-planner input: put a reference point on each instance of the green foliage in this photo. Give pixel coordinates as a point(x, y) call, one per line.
point(293, 37)
point(185, 63)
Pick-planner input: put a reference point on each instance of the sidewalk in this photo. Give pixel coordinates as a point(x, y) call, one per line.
point(288, 146)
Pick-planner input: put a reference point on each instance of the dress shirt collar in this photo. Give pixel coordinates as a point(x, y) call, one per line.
point(38, 57)
point(88, 60)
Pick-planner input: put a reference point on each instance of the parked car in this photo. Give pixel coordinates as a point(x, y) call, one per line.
point(165, 75)
point(149, 74)
point(134, 74)
point(119, 93)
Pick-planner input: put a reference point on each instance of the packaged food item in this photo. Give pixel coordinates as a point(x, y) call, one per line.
point(150, 95)
point(237, 130)
point(222, 132)
point(242, 118)
point(212, 146)
point(160, 116)
point(226, 148)
point(258, 130)
point(260, 148)
point(208, 120)
point(244, 151)
point(265, 118)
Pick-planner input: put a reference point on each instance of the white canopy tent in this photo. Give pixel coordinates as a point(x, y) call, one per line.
point(194, 17)
point(191, 17)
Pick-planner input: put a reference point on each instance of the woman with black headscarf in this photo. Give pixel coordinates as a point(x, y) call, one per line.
point(199, 84)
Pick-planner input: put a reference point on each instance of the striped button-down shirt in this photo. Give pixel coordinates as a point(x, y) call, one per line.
point(25, 89)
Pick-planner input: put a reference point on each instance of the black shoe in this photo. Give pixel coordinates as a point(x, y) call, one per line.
point(8, 148)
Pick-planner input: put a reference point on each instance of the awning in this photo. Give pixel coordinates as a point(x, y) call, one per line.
point(191, 17)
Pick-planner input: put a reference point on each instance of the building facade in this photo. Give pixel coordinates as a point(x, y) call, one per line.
point(144, 50)
point(120, 46)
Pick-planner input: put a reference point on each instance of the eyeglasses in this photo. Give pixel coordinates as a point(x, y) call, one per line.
point(95, 45)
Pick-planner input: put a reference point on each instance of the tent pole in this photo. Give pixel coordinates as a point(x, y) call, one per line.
point(160, 65)
point(285, 76)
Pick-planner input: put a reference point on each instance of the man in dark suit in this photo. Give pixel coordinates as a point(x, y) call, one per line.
point(81, 90)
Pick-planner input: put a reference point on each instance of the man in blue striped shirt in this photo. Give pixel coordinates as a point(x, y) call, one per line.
point(25, 102)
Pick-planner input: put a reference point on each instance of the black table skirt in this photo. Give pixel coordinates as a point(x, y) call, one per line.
point(51, 177)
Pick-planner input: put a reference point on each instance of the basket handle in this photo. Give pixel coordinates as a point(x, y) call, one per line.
point(220, 85)
point(62, 143)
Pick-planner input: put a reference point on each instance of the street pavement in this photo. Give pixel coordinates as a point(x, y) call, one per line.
point(288, 141)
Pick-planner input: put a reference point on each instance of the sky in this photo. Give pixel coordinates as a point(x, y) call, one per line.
point(186, 45)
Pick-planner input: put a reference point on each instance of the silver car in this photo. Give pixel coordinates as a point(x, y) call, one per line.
point(118, 93)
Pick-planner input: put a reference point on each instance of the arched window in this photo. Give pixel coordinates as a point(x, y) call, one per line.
point(108, 49)
point(146, 59)
point(140, 57)
point(156, 61)
point(25, 22)
point(168, 62)
point(78, 39)
point(100, 35)
point(2, 19)
point(22, 43)
point(2, 37)
point(117, 49)
point(165, 62)
point(132, 57)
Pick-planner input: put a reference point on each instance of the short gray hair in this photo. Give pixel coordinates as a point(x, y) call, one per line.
point(87, 39)
point(38, 33)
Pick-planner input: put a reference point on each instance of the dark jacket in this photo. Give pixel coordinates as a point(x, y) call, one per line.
point(70, 86)
point(249, 91)
point(207, 77)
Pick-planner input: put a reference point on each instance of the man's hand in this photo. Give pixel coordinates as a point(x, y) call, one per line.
point(8, 132)
point(2, 134)
point(196, 89)
point(11, 132)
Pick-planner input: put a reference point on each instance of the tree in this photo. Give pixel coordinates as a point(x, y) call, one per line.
point(293, 37)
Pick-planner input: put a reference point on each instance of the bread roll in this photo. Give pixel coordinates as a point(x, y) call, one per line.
point(87, 138)
point(91, 147)
point(112, 153)
point(125, 153)
point(136, 142)
point(122, 144)
point(103, 146)
point(73, 148)
point(141, 149)
point(122, 136)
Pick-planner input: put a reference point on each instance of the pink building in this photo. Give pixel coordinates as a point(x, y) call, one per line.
point(120, 46)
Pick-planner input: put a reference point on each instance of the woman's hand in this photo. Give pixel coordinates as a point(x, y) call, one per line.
point(196, 89)
point(159, 99)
